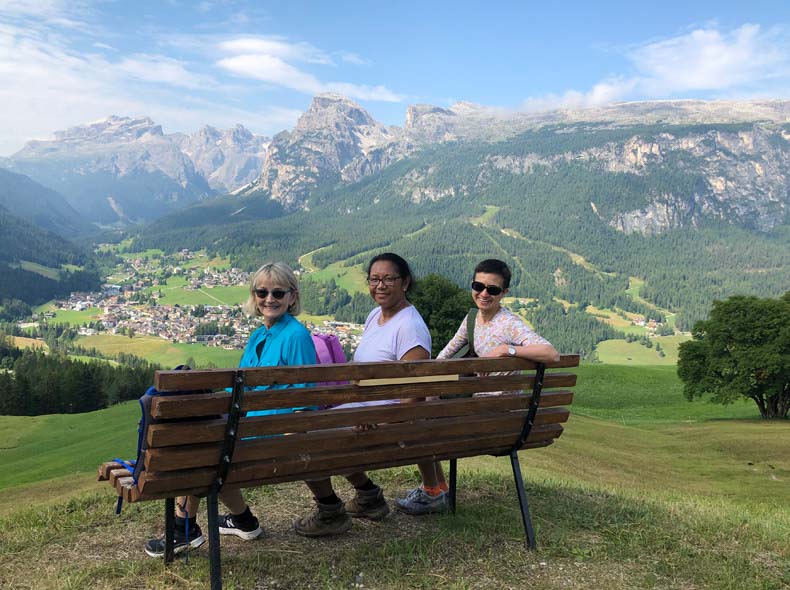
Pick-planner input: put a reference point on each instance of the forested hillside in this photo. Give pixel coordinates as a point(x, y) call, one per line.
point(553, 203)
point(36, 265)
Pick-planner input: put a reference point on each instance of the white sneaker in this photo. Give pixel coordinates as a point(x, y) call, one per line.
point(418, 501)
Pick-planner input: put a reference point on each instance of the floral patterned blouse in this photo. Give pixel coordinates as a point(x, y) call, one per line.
point(504, 328)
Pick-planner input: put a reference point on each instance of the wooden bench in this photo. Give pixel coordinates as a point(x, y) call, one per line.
point(199, 456)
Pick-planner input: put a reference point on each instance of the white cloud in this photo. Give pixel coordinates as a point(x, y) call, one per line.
point(275, 47)
point(161, 69)
point(354, 59)
point(56, 87)
point(706, 61)
point(267, 59)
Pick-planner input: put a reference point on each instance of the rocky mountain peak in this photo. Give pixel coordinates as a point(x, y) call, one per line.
point(227, 158)
point(113, 129)
point(330, 111)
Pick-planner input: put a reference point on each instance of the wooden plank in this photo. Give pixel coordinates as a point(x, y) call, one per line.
point(221, 378)
point(105, 468)
point(116, 474)
point(308, 465)
point(161, 435)
point(177, 406)
point(193, 456)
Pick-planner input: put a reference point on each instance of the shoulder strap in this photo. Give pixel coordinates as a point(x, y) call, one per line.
point(471, 318)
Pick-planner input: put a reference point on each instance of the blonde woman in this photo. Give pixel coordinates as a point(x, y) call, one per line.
point(281, 340)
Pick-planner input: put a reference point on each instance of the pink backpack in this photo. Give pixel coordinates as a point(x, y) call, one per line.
point(328, 351)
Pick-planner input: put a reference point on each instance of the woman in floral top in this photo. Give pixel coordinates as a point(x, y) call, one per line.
point(498, 332)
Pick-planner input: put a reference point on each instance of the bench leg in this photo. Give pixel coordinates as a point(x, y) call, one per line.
point(170, 529)
point(522, 500)
point(215, 567)
point(453, 479)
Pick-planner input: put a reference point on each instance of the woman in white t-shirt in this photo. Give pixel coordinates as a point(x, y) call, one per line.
point(393, 331)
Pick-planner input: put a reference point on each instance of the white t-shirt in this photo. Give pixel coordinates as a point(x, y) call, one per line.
point(402, 332)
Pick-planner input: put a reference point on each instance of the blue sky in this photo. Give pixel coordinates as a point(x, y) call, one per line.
point(188, 64)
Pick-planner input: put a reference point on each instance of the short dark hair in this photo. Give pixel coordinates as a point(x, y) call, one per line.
point(403, 267)
point(495, 267)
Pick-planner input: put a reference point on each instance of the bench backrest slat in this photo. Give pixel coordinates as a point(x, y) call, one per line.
point(220, 378)
point(162, 435)
point(188, 405)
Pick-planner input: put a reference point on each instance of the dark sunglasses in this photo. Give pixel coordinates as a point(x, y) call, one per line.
point(479, 287)
point(276, 293)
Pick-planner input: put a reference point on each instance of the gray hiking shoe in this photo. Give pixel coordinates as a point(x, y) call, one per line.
point(368, 504)
point(327, 519)
point(182, 542)
point(418, 501)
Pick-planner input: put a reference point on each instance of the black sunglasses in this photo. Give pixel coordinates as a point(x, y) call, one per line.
point(479, 287)
point(276, 293)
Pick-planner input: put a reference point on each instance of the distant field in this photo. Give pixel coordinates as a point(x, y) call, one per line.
point(486, 217)
point(635, 285)
point(316, 320)
point(68, 316)
point(201, 261)
point(620, 352)
point(350, 278)
point(173, 294)
point(150, 253)
point(22, 342)
point(45, 271)
point(92, 359)
point(161, 351)
point(616, 321)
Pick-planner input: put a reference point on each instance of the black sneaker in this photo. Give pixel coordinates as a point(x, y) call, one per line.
point(156, 547)
point(247, 530)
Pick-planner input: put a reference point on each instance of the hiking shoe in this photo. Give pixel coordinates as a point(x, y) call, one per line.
point(327, 519)
point(418, 501)
point(156, 547)
point(245, 529)
point(368, 504)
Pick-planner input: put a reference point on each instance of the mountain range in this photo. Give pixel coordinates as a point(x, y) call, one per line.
point(690, 196)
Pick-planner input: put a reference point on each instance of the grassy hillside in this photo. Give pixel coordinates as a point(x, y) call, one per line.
point(643, 490)
point(158, 350)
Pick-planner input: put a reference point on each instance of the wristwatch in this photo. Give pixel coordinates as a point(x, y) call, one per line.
point(511, 350)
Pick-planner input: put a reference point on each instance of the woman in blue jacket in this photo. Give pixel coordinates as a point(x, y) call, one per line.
point(281, 340)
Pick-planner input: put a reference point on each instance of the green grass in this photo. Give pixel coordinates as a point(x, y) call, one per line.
point(151, 253)
point(69, 316)
point(157, 350)
point(174, 293)
point(643, 490)
point(620, 352)
point(350, 278)
point(646, 395)
point(44, 271)
point(23, 342)
point(92, 359)
point(487, 217)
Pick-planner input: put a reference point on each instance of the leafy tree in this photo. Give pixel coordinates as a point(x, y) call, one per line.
point(443, 305)
point(743, 349)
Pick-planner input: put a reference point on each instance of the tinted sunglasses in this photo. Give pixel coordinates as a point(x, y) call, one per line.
point(479, 287)
point(276, 293)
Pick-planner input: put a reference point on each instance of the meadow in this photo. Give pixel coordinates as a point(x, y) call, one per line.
point(160, 351)
point(643, 490)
